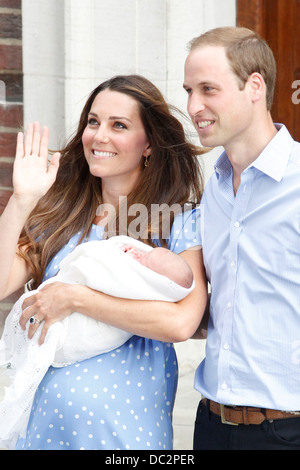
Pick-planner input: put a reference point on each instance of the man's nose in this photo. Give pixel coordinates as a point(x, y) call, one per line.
point(195, 105)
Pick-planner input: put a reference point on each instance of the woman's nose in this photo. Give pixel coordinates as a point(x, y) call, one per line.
point(102, 134)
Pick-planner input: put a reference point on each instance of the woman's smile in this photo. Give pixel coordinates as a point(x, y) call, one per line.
point(114, 141)
point(100, 154)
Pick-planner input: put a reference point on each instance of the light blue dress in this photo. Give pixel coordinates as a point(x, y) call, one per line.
point(118, 400)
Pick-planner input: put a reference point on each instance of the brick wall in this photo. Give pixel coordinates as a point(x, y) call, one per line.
point(11, 104)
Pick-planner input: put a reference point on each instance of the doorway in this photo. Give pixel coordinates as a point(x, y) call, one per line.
point(278, 22)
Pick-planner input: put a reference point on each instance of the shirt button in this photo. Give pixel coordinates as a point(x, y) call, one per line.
point(229, 304)
point(226, 346)
point(232, 264)
point(236, 224)
point(224, 386)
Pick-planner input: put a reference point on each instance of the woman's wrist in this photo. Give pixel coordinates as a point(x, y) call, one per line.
point(80, 298)
point(23, 204)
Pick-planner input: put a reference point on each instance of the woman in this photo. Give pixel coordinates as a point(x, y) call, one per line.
point(128, 147)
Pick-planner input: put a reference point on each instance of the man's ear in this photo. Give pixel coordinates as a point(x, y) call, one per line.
point(257, 87)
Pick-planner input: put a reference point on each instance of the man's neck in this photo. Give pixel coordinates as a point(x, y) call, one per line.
point(244, 152)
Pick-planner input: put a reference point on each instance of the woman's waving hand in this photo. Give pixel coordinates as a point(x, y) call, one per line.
point(33, 174)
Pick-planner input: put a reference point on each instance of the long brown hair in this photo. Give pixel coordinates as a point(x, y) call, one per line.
point(173, 177)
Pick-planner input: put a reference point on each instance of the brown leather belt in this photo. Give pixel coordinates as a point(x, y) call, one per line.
point(247, 414)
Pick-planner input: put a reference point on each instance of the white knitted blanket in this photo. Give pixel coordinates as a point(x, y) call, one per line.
point(102, 266)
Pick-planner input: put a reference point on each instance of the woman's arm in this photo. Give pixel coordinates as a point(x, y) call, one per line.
point(32, 177)
point(13, 272)
point(165, 321)
point(201, 332)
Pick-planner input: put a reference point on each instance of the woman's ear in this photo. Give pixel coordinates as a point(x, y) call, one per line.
point(148, 151)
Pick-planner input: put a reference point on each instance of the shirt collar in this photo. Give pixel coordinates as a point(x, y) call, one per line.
point(223, 166)
point(272, 161)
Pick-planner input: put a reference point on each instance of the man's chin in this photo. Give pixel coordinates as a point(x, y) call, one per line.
point(208, 142)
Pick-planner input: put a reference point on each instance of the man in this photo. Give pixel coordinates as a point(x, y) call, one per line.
point(250, 377)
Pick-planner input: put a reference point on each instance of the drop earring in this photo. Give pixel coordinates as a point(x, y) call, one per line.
point(146, 162)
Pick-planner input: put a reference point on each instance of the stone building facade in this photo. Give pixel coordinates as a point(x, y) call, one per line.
point(54, 52)
point(11, 103)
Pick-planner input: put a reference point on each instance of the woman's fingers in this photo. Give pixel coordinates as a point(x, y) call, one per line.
point(27, 312)
point(54, 165)
point(35, 142)
point(44, 142)
point(33, 175)
point(43, 334)
point(36, 139)
point(20, 146)
point(28, 139)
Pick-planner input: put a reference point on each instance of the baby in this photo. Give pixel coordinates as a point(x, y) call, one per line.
point(165, 262)
point(121, 267)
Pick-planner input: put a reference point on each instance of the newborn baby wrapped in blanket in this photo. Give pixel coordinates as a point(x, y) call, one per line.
point(109, 266)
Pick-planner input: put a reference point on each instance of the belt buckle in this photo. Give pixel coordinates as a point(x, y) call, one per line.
point(223, 419)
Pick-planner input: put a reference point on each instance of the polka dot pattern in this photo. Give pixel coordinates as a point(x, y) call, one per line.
point(119, 400)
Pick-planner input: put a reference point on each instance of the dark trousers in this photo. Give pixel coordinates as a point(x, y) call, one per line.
point(211, 434)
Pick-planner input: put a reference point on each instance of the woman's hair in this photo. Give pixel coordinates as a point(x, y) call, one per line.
point(173, 177)
point(246, 52)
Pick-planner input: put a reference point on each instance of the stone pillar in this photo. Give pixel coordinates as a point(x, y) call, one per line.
point(11, 104)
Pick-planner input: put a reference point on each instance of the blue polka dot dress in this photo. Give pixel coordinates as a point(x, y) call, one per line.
point(118, 400)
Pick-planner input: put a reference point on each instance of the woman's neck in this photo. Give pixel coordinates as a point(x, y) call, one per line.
point(111, 198)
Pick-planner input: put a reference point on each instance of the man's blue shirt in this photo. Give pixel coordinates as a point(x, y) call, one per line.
point(251, 250)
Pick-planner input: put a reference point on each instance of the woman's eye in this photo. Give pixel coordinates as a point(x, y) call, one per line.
point(119, 125)
point(92, 122)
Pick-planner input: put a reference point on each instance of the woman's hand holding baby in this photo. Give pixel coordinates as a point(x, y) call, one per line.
point(51, 304)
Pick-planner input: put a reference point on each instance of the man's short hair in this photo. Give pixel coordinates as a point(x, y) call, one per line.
point(246, 52)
